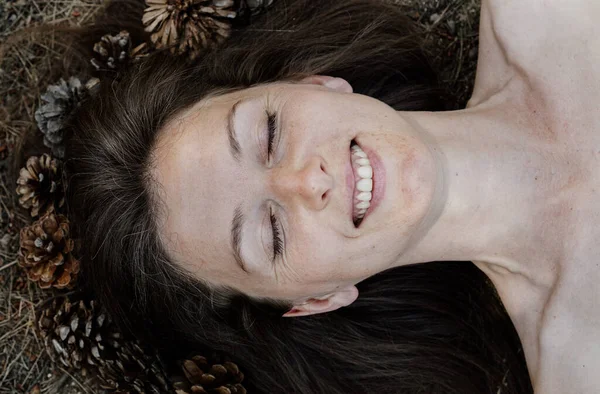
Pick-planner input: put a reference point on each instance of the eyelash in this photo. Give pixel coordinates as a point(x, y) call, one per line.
point(277, 242)
point(272, 127)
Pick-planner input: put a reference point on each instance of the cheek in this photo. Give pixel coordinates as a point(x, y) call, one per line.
point(317, 115)
point(316, 259)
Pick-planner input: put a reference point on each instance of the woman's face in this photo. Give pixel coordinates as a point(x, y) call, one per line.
point(223, 192)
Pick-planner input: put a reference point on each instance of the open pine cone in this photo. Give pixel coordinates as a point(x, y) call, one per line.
point(60, 101)
point(79, 334)
point(205, 376)
point(45, 252)
point(188, 26)
point(115, 51)
point(134, 368)
point(112, 51)
point(39, 185)
point(75, 332)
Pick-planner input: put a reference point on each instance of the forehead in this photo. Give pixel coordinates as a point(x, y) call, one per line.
point(184, 157)
point(196, 178)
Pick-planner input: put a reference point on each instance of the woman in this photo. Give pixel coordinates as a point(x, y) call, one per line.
point(215, 199)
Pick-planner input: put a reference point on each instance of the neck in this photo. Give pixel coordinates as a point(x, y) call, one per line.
point(495, 203)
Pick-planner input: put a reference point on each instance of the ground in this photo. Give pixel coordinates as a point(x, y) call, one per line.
point(451, 26)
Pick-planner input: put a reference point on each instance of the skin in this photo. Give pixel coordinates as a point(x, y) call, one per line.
point(304, 183)
point(510, 183)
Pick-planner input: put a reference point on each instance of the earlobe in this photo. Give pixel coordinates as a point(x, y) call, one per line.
point(341, 297)
point(334, 83)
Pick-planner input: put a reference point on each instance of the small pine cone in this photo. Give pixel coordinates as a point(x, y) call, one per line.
point(188, 26)
point(204, 376)
point(134, 368)
point(113, 51)
point(77, 332)
point(45, 252)
point(40, 186)
point(60, 101)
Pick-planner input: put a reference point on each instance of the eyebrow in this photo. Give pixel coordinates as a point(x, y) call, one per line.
point(237, 223)
point(236, 237)
point(234, 145)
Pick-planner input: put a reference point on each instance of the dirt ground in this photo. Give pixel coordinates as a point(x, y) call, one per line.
point(451, 26)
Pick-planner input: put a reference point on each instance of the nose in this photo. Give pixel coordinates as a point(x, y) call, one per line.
point(311, 184)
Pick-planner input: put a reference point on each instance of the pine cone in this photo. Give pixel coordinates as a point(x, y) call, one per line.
point(80, 334)
point(204, 376)
point(40, 185)
point(61, 100)
point(133, 369)
point(114, 52)
point(45, 252)
point(188, 26)
point(76, 332)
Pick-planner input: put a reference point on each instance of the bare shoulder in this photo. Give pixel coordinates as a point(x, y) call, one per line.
point(569, 350)
point(541, 16)
point(549, 42)
point(544, 29)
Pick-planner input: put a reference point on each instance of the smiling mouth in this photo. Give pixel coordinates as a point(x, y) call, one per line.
point(363, 183)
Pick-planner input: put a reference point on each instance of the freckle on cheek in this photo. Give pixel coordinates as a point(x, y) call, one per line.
point(407, 166)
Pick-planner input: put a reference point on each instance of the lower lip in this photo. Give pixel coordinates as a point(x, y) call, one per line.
point(378, 181)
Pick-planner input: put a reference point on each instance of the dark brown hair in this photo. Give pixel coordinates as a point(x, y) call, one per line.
point(429, 328)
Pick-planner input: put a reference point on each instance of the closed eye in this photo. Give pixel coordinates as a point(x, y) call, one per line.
point(277, 242)
point(272, 128)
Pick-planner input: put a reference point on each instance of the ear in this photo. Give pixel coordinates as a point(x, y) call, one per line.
point(334, 83)
point(342, 297)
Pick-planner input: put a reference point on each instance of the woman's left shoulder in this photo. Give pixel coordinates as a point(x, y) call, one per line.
point(552, 46)
point(544, 29)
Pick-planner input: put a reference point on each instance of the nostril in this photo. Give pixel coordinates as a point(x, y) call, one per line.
point(324, 196)
point(322, 167)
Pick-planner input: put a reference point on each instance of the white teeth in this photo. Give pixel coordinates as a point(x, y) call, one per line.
point(359, 153)
point(363, 205)
point(364, 185)
point(363, 162)
point(365, 171)
point(364, 196)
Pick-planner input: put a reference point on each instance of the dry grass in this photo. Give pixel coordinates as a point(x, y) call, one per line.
point(25, 62)
point(453, 33)
point(26, 58)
